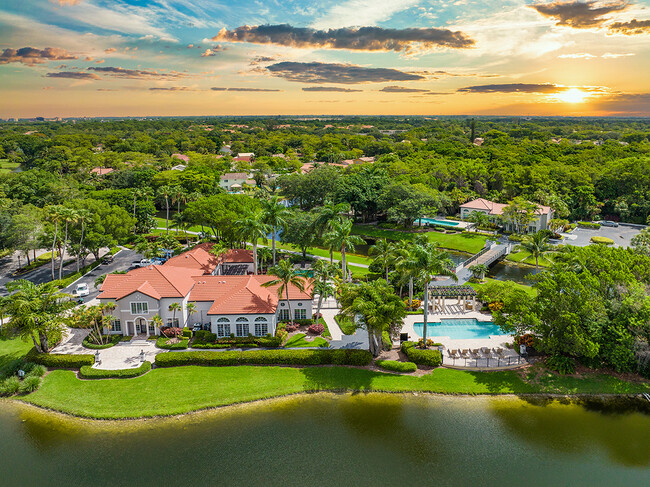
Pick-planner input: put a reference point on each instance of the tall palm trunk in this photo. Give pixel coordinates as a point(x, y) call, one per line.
point(410, 292)
point(255, 257)
point(56, 234)
point(81, 241)
point(167, 217)
point(426, 312)
point(65, 243)
point(331, 255)
point(286, 289)
point(343, 266)
point(273, 244)
point(135, 222)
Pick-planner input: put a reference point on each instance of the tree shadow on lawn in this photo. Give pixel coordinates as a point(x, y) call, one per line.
point(337, 379)
point(501, 382)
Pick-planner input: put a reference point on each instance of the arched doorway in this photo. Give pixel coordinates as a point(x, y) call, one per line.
point(141, 326)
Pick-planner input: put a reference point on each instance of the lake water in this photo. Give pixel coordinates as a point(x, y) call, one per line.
point(337, 440)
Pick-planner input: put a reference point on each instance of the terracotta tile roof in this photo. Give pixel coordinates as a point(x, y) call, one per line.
point(241, 294)
point(234, 175)
point(238, 256)
point(496, 208)
point(101, 170)
point(155, 281)
point(198, 258)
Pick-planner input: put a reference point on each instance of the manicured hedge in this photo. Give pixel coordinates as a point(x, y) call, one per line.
point(595, 226)
point(59, 361)
point(209, 340)
point(87, 372)
point(422, 356)
point(396, 366)
point(161, 342)
point(113, 340)
point(601, 240)
point(268, 357)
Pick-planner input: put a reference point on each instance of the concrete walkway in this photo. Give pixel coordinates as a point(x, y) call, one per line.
point(359, 339)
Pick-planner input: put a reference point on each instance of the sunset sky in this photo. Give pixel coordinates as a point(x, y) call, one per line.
point(271, 57)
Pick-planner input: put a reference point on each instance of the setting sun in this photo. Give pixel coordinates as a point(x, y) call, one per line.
point(573, 95)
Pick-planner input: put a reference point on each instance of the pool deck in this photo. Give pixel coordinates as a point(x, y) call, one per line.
point(460, 224)
point(509, 357)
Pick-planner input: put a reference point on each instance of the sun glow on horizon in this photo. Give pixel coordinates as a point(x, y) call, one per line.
point(572, 95)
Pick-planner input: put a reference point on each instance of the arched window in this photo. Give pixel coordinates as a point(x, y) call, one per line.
point(261, 326)
point(223, 327)
point(242, 327)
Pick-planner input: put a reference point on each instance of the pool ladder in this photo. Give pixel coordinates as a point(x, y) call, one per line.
point(647, 396)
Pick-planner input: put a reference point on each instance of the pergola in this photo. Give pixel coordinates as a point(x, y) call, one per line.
point(440, 293)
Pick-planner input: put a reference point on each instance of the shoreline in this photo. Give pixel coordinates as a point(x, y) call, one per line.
point(603, 402)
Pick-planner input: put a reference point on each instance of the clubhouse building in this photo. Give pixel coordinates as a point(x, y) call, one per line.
point(227, 297)
point(495, 211)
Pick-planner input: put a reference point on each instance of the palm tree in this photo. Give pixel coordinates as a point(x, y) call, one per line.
point(157, 322)
point(165, 193)
point(481, 219)
point(180, 222)
point(285, 275)
point(385, 253)
point(179, 195)
point(37, 311)
point(340, 237)
point(84, 217)
point(252, 228)
point(479, 271)
point(274, 214)
point(173, 308)
point(538, 246)
point(69, 216)
point(426, 262)
point(327, 214)
point(323, 274)
point(191, 309)
point(265, 255)
point(55, 215)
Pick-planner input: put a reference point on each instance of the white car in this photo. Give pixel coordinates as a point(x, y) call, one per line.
point(82, 290)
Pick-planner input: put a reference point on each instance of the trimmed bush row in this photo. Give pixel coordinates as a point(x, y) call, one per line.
point(589, 225)
point(87, 372)
point(113, 340)
point(59, 361)
point(269, 357)
point(396, 366)
point(601, 240)
point(161, 342)
point(421, 356)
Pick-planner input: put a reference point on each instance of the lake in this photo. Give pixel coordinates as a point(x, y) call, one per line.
point(329, 439)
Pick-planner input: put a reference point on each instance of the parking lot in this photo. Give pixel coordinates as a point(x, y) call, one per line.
point(621, 235)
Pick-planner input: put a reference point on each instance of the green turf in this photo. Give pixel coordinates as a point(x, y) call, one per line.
point(524, 257)
point(169, 391)
point(6, 166)
point(346, 325)
point(463, 242)
point(298, 340)
point(161, 223)
point(351, 259)
point(12, 349)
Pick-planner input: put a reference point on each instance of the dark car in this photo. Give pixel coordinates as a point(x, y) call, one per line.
point(108, 258)
point(608, 223)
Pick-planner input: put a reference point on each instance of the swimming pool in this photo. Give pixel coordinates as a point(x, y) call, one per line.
point(433, 221)
point(459, 328)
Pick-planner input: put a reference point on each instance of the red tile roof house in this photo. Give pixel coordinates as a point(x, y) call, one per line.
point(225, 304)
point(495, 210)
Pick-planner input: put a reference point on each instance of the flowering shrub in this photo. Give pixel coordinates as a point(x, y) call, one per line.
point(316, 329)
point(496, 306)
point(172, 331)
point(314, 317)
point(527, 339)
point(430, 343)
point(290, 327)
point(415, 304)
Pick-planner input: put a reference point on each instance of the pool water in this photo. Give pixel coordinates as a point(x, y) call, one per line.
point(459, 328)
point(433, 221)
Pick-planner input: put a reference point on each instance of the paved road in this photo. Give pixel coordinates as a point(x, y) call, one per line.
point(8, 265)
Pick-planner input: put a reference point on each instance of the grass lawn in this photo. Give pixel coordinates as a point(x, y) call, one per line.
point(161, 223)
point(298, 340)
point(350, 259)
point(12, 349)
point(6, 166)
point(346, 325)
point(464, 242)
point(524, 257)
point(529, 289)
point(183, 389)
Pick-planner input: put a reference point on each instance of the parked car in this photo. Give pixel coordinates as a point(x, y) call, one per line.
point(82, 290)
point(142, 263)
point(108, 258)
point(608, 223)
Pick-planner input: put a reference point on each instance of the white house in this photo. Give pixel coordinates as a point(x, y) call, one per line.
point(495, 210)
point(228, 304)
point(234, 181)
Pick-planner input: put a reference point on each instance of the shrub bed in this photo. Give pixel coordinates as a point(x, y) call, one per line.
point(112, 341)
point(591, 225)
point(601, 240)
point(267, 357)
point(347, 325)
point(421, 356)
point(60, 361)
point(163, 342)
point(396, 366)
point(87, 372)
point(205, 339)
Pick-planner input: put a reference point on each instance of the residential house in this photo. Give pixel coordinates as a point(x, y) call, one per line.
point(495, 210)
point(101, 171)
point(234, 181)
point(225, 304)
